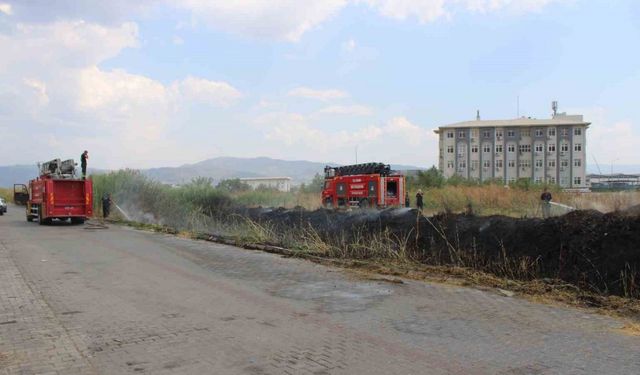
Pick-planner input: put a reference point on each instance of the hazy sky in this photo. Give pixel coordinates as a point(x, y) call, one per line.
point(174, 81)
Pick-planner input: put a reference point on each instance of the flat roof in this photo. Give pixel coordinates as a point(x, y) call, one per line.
point(557, 120)
point(616, 175)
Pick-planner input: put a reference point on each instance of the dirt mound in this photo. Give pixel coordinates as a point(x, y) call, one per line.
point(590, 249)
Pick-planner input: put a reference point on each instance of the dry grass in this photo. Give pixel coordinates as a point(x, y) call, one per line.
point(631, 329)
point(499, 200)
point(7, 194)
point(604, 201)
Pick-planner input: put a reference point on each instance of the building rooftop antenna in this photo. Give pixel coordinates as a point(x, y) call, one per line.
point(478, 115)
point(554, 107)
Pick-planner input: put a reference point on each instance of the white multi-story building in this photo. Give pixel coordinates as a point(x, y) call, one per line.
point(551, 151)
point(278, 183)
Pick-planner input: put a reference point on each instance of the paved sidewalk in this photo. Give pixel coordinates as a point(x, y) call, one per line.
point(120, 301)
point(32, 339)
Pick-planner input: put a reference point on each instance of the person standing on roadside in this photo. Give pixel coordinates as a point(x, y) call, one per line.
point(419, 202)
point(407, 201)
point(83, 163)
point(545, 202)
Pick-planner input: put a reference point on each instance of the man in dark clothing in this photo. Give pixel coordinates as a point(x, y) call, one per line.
point(545, 201)
point(419, 203)
point(407, 201)
point(83, 163)
point(106, 205)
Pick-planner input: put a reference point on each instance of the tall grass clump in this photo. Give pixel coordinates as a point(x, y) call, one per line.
point(192, 206)
point(7, 194)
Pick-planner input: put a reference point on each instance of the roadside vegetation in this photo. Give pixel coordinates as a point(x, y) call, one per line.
point(7, 194)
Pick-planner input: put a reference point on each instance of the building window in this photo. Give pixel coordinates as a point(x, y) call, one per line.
point(511, 148)
point(474, 149)
point(525, 148)
point(461, 134)
point(525, 133)
point(474, 164)
point(498, 134)
point(577, 147)
point(577, 181)
point(551, 163)
point(449, 164)
point(577, 163)
point(538, 180)
point(512, 163)
point(486, 163)
point(486, 148)
point(538, 162)
point(552, 132)
point(524, 163)
point(462, 165)
point(577, 131)
point(450, 149)
point(511, 133)
point(539, 132)
point(498, 164)
point(552, 180)
point(449, 134)
point(539, 147)
point(564, 132)
point(564, 163)
point(564, 147)
point(499, 149)
point(552, 147)
point(486, 133)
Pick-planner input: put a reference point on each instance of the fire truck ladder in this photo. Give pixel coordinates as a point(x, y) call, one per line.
point(366, 168)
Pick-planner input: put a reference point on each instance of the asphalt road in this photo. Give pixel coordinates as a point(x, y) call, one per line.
point(119, 301)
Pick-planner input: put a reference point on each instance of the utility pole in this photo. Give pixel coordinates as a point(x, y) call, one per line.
point(356, 154)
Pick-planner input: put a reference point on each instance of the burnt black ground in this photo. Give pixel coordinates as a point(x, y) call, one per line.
point(595, 251)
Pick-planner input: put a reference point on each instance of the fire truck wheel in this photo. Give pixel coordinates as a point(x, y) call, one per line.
point(29, 218)
point(77, 220)
point(364, 203)
point(41, 221)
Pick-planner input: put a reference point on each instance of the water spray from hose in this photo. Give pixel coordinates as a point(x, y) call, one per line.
point(122, 211)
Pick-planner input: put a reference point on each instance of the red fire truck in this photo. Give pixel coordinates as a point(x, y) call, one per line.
point(363, 185)
point(59, 194)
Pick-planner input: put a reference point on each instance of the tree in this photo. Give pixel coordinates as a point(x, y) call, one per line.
point(315, 186)
point(233, 185)
point(430, 178)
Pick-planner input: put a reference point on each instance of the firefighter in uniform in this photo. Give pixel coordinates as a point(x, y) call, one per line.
point(106, 205)
point(545, 201)
point(83, 163)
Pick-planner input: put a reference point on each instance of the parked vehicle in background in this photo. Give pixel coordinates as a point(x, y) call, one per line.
point(363, 185)
point(3, 207)
point(58, 194)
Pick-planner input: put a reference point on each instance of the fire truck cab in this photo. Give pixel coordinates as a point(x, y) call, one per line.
point(363, 185)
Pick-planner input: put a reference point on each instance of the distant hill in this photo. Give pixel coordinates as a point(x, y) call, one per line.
point(217, 168)
point(17, 174)
point(21, 174)
point(229, 167)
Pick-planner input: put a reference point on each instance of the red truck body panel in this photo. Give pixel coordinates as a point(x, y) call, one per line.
point(381, 188)
point(62, 198)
